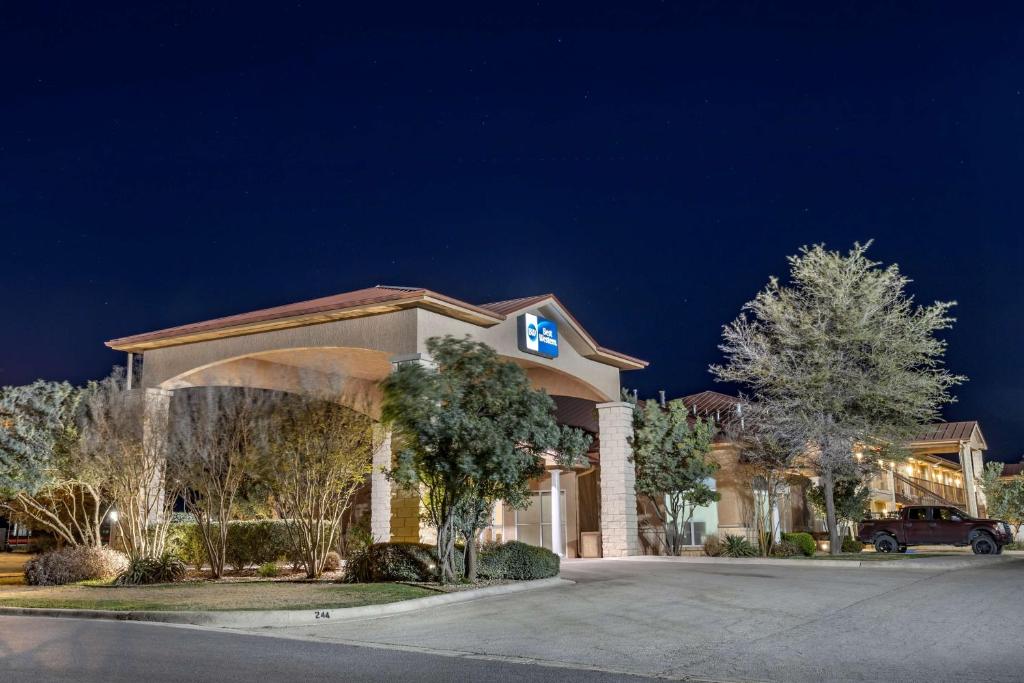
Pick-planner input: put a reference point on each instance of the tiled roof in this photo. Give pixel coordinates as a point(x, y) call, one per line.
point(947, 431)
point(712, 403)
point(1013, 469)
point(378, 299)
point(513, 305)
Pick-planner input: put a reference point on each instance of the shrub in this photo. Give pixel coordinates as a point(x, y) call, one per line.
point(517, 561)
point(73, 564)
point(358, 539)
point(268, 570)
point(786, 548)
point(250, 542)
point(737, 546)
point(396, 562)
point(712, 545)
point(851, 545)
point(167, 568)
point(1016, 545)
point(802, 540)
point(333, 562)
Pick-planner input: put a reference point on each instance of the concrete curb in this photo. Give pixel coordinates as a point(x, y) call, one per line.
point(924, 563)
point(272, 618)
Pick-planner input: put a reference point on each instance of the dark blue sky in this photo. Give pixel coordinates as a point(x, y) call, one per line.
point(652, 166)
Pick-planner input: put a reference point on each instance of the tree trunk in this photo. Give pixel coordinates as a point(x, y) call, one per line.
point(446, 549)
point(470, 555)
point(828, 484)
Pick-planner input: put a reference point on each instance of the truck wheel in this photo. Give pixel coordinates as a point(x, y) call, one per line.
point(983, 544)
point(884, 543)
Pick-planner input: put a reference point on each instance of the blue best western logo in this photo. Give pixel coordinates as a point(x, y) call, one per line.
point(538, 335)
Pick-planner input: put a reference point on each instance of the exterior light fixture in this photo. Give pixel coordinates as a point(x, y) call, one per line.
point(113, 516)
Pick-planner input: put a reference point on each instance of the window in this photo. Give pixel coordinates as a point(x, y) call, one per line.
point(693, 533)
point(918, 514)
point(942, 514)
point(533, 525)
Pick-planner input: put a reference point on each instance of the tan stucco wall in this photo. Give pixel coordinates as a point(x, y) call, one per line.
point(391, 333)
point(571, 374)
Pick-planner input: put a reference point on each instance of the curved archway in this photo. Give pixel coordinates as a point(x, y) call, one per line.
point(347, 375)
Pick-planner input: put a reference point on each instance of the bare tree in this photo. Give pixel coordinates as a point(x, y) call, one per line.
point(117, 440)
point(319, 453)
point(216, 438)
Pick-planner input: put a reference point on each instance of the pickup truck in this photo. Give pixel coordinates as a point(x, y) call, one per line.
point(934, 525)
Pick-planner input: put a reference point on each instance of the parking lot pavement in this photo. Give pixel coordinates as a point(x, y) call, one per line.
point(734, 623)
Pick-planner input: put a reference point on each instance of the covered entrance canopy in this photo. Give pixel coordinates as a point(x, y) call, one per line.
point(342, 346)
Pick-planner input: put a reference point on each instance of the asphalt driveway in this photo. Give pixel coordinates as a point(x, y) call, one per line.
point(733, 622)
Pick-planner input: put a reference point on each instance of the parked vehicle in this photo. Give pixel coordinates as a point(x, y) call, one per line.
point(934, 525)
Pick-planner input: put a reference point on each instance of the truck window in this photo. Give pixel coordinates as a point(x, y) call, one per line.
point(942, 514)
point(917, 514)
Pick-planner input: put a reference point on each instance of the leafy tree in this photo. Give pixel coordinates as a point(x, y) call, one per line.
point(851, 498)
point(840, 358)
point(673, 465)
point(471, 430)
point(317, 456)
point(769, 463)
point(44, 478)
point(1004, 497)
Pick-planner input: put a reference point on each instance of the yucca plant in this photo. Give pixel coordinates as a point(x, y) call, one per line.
point(166, 568)
point(737, 546)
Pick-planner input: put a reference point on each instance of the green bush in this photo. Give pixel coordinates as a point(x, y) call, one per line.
point(268, 570)
point(1016, 545)
point(851, 545)
point(804, 541)
point(713, 546)
point(517, 561)
point(250, 542)
point(737, 546)
point(167, 568)
point(396, 562)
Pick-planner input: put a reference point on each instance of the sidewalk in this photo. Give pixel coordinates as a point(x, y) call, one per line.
point(923, 563)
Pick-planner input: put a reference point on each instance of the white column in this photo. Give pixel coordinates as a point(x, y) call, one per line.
point(618, 480)
point(776, 523)
point(967, 465)
point(380, 487)
point(556, 512)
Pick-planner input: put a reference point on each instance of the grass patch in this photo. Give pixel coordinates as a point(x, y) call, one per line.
point(209, 596)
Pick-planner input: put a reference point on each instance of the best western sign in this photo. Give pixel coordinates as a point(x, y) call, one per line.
point(538, 335)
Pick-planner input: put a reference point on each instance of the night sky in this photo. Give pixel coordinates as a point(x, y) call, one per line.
point(652, 166)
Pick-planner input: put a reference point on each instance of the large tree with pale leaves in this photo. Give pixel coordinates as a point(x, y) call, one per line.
point(842, 359)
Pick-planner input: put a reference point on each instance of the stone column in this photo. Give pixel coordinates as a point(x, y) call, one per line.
point(394, 512)
point(618, 480)
point(380, 487)
point(155, 426)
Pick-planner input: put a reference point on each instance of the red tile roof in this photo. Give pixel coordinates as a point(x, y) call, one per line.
point(336, 306)
point(947, 431)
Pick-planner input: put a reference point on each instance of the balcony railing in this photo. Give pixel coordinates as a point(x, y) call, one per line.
point(920, 490)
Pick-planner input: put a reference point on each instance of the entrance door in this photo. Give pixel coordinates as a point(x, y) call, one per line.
point(533, 525)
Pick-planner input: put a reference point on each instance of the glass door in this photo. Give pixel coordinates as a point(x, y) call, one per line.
point(533, 524)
